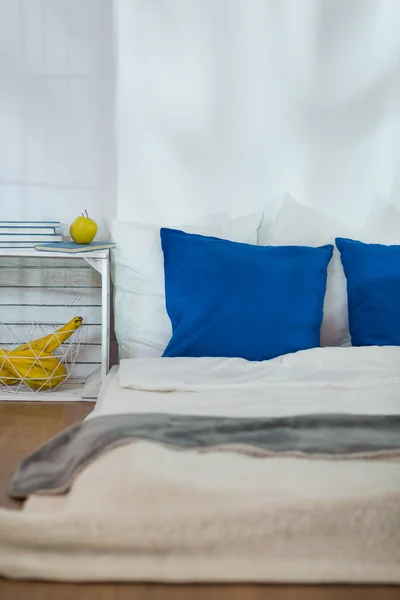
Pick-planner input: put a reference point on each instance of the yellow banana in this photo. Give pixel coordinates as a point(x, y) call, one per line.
point(34, 364)
point(44, 372)
point(50, 342)
point(6, 376)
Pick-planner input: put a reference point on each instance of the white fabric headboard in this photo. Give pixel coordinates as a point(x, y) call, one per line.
point(223, 105)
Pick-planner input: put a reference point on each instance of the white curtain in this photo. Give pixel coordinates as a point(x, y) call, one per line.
point(223, 105)
point(56, 109)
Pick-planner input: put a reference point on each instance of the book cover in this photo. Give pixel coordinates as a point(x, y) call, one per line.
point(73, 247)
point(30, 224)
point(27, 230)
point(15, 245)
point(21, 237)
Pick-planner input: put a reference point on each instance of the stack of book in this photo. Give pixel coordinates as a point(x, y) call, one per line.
point(27, 234)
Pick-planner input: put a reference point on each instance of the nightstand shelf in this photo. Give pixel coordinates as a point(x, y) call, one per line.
point(52, 288)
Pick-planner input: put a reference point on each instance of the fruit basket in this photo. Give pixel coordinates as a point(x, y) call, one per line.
point(37, 357)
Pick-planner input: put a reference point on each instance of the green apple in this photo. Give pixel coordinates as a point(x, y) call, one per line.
point(83, 230)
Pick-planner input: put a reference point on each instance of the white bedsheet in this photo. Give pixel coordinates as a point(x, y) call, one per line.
point(321, 380)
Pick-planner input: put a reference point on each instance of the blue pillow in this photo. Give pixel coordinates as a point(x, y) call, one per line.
point(373, 292)
point(238, 300)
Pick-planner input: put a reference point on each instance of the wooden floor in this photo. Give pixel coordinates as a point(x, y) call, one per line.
point(23, 426)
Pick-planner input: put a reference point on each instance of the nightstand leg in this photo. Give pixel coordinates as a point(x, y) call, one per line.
point(105, 321)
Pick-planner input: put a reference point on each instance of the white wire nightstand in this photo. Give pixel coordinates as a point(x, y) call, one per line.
point(53, 287)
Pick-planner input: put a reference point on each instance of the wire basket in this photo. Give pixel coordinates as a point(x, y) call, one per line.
point(34, 358)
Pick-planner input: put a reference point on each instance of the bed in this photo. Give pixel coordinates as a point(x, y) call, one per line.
point(251, 431)
point(173, 500)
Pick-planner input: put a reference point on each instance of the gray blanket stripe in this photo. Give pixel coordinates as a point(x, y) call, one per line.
point(53, 466)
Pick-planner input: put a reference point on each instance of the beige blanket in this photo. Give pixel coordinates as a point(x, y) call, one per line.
point(144, 512)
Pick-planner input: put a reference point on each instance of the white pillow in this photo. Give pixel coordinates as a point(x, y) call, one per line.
point(296, 225)
point(269, 215)
point(383, 223)
point(142, 325)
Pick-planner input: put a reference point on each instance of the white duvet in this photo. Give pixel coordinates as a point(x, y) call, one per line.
point(322, 380)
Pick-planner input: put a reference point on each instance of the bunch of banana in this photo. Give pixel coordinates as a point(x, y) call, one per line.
point(34, 363)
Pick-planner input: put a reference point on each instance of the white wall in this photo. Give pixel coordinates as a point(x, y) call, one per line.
point(56, 109)
point(221, 105)
point(224, 104)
